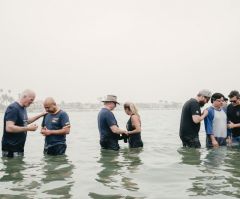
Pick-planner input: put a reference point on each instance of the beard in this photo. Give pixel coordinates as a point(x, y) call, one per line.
point(201, 103)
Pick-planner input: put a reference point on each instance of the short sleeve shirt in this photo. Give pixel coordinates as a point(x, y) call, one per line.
point(187, 126)
point(55, 122)
point(106, 119)
point(14, 141)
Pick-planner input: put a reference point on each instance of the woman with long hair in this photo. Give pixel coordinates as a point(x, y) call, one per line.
point(133, 125)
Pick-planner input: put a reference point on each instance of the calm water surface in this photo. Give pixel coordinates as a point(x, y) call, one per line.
point(162, 169)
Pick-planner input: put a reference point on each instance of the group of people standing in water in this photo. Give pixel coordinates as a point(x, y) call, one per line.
point(222, 120)
point(56, 125)
point(222, 123)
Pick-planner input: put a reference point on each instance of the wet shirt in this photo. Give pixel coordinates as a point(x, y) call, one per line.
point(187, 127)
point(106, 119)
point(14, 141)
point(216, 123)
point(55, 122)
point(233, 115)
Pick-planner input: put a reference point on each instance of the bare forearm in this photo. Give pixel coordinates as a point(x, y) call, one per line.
point(16, 129)
point(34, 118)
point(59, 132)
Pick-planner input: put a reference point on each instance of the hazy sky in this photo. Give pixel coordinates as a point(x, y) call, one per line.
point(141, 51)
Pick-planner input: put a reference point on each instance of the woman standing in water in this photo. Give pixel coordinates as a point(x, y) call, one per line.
point(133, 126)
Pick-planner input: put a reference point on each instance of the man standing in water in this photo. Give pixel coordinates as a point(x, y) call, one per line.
point(191, 118)
point(55, 126)
point(233, 114)
point(16, 125)
point(107, 125)
point(216, 123)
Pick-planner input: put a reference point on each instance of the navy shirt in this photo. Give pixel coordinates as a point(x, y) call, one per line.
point(14, 141)
point(187, 126)
point(106, 119)
point(55, 122)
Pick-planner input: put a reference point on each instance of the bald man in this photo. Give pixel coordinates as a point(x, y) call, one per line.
point(17, 124)
point(55, 126)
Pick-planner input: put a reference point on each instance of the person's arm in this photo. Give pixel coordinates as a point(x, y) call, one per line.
point(136, 124)
point(198, 118)
point(12, 128)
point(117, 130)
point(65, 130)
point(36, 117)
point(208, 123)
point(232, 125)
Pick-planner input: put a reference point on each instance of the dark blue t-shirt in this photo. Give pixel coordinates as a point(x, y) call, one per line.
point(14, 141)
point(55, 122)
point(106, 119)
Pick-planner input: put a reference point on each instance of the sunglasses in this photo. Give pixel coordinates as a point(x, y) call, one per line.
point(233, 101)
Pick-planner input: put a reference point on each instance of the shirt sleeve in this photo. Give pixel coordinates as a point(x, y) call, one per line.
point(64, 119)
point(208, 122)
point(111, 120)
point(11, 114)
point(195, 110)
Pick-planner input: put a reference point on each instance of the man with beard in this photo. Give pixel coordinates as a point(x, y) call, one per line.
point(55, 126)
point(191, 118)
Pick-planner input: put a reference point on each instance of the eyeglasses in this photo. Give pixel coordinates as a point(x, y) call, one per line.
point(233, 101)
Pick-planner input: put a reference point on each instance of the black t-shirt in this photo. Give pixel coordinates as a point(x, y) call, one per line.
point(187, 127)
point(233, 114)
point(14, 141)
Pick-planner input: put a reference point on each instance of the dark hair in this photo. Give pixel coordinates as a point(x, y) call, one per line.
point(216, 96)
point(234, 93)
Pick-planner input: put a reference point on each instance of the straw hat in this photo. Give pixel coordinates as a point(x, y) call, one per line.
point(111, 98)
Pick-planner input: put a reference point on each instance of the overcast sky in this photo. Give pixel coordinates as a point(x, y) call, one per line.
point(142, 51)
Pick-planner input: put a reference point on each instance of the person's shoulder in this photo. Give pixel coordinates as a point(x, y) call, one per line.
point(13, 106)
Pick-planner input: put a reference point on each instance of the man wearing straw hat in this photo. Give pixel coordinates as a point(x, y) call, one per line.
point(107, 124)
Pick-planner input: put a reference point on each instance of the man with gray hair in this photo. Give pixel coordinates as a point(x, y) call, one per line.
point(191, 118)
point(107, 124)
point(16, 125)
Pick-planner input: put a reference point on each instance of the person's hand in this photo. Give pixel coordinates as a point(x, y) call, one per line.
point(229, 141)
point(215, 143)
point(126, 133)
point(32, 127)
point(45, 131)
point(231, 125)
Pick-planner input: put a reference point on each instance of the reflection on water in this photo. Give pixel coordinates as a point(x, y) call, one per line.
point(190, 156)
point(219, 171)
point(24, 178)
point(117, 167)
point(12, 175)
point(57, 176)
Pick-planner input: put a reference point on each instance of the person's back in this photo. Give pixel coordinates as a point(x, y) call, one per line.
point(187, 127)
point(105, 120)
point(14, 142)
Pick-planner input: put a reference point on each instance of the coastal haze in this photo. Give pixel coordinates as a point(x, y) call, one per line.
point(140, 51)
point(155, 53)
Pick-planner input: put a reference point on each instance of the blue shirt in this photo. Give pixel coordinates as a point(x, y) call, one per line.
point(216, 123)
point(14, 142)
point(106, 119)
point(55, 122)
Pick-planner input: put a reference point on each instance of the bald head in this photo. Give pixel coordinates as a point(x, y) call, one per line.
point(50, 105)
point(27, 97)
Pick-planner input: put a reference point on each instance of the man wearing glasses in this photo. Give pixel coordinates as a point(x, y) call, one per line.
point(191, 118)
point(233, 114)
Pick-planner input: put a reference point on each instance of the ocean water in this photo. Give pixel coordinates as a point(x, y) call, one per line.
point(162, 169)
